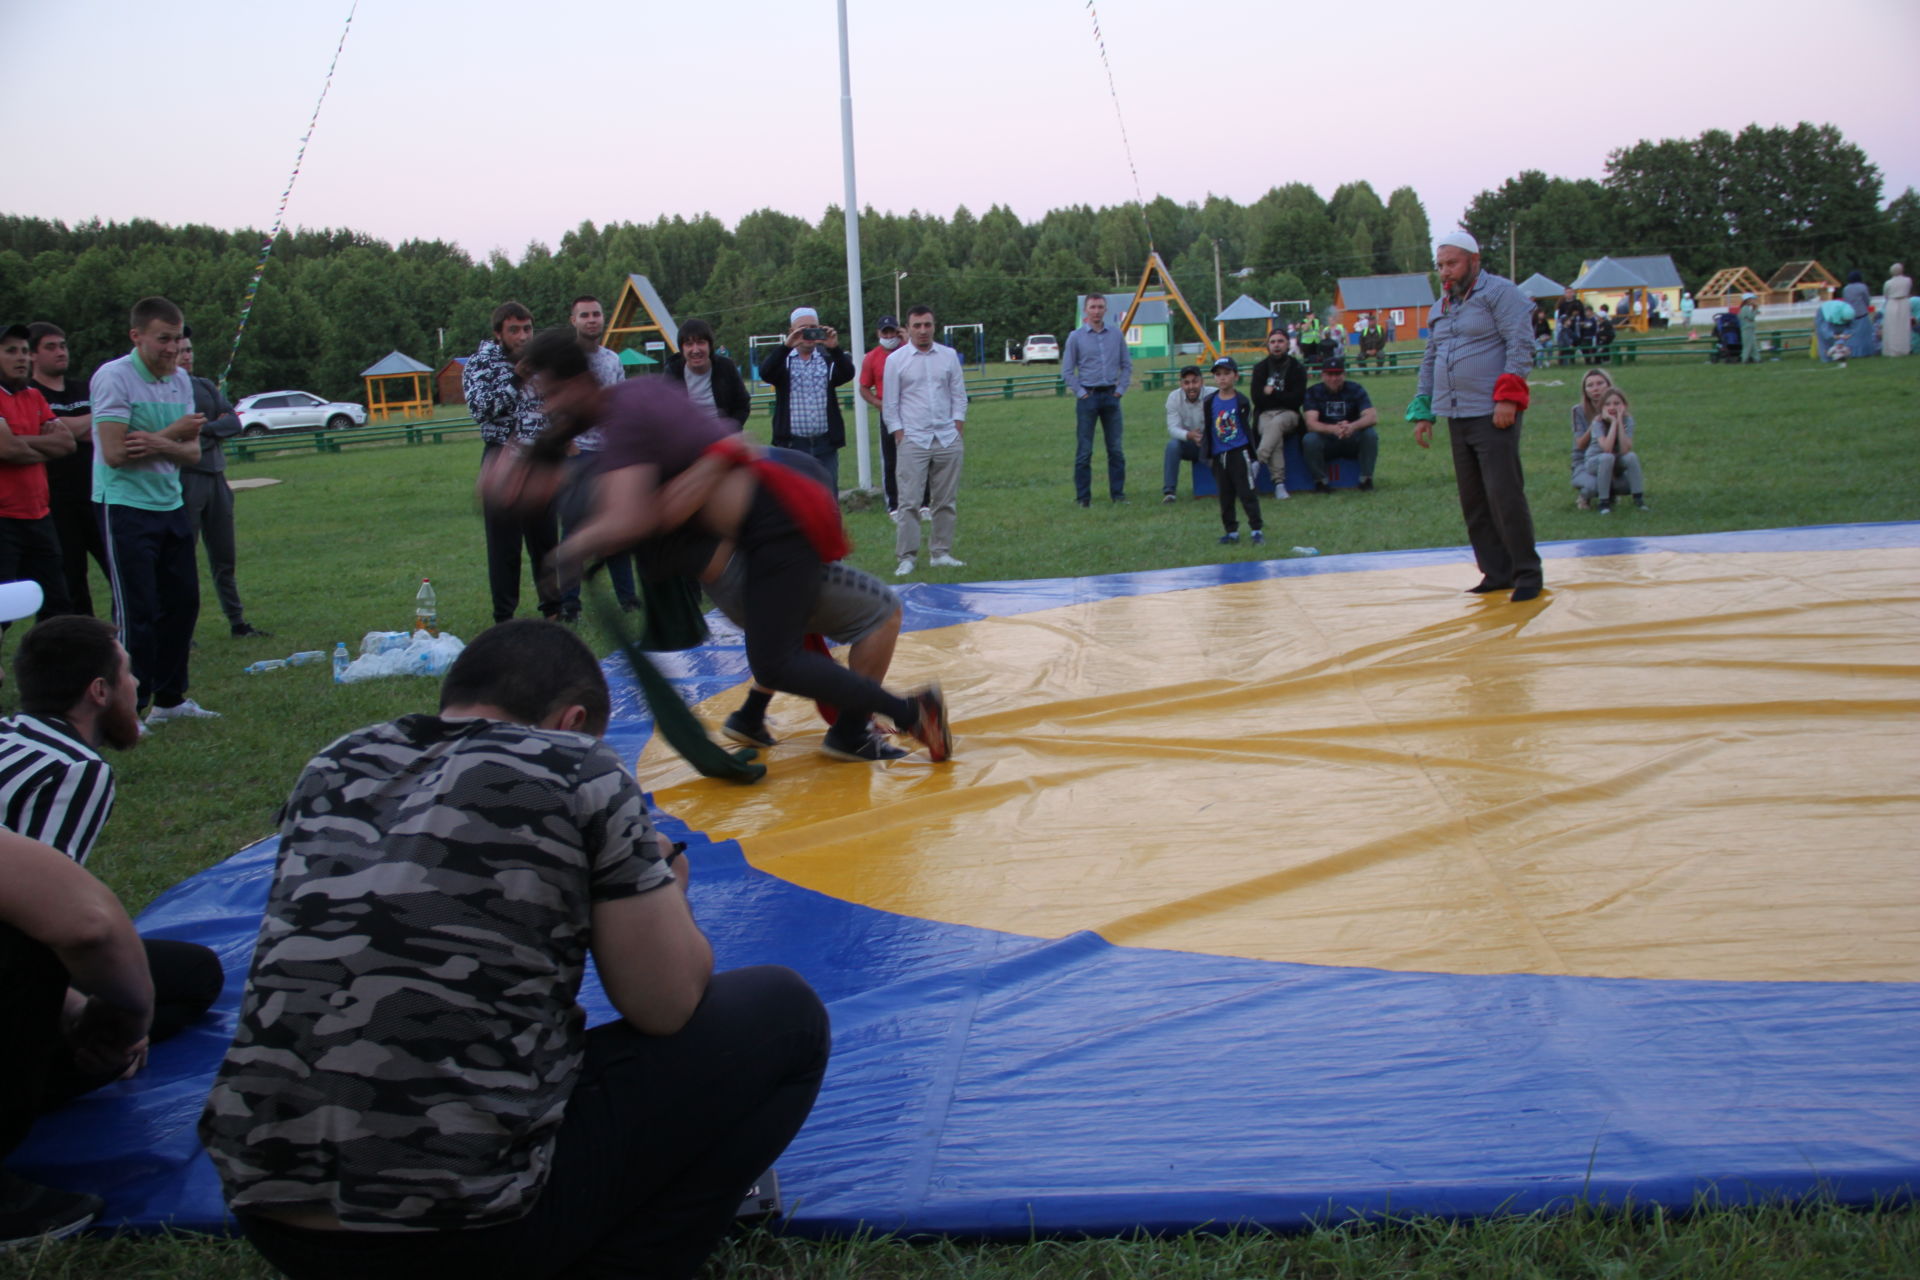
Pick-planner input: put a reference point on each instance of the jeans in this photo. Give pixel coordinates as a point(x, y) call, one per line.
point(1177, 452)
point(827, 455)
point(1105, 406)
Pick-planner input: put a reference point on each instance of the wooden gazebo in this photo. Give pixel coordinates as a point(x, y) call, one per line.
point(398, 385)
point(1727, 285)
point(1796, 278)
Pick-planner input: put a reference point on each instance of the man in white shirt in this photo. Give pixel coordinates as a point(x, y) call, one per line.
point(925, 405)
point(1186, 427)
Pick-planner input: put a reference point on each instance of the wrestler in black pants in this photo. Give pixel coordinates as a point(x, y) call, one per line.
point(1493, 498)
point(506, 531)
point(661, 1139)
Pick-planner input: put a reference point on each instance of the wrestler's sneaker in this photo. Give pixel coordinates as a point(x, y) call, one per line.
point(874, 749)
point(748, 730)
point(932, 728)
point(186, 709)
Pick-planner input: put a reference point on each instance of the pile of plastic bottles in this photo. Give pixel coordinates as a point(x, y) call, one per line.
point(396, 653)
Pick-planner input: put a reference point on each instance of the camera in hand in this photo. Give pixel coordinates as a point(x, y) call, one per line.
point(814, 333)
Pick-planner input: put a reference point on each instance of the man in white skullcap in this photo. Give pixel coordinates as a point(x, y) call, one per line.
point(1474, 374)
point(803, 372)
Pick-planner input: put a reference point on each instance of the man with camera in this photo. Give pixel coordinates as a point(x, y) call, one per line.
point(803, 371)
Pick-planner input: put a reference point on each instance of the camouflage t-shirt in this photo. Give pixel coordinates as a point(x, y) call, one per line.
point(409, 1035)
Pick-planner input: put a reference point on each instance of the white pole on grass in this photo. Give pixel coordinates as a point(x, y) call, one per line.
point(856, 317)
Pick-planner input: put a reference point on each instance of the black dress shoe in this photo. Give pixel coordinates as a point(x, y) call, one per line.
point(1525, 592)
point(1488, 586)
point(247, 631)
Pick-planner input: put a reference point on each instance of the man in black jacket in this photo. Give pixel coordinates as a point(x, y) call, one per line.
point(209, 500)
point(803, 372)
point(711, 380)
point(1278, 389)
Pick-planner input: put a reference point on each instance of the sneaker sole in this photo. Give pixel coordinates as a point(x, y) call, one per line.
point(854, 757)
point(61, 1232)
point(746, 739)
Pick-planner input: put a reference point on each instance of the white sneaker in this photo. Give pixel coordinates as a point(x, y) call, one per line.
point(905, 567)
point(926, 513)
point(1280, 493)
point(944, 561)
point(187, 710)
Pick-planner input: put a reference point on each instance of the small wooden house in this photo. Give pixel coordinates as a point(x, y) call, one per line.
point(1401, 302)
point(1726, 286)
point(447, 387)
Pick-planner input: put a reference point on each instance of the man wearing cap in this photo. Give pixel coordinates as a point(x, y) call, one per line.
point(872, 388)
point(1474, 375)
point(1186, 430)
point(1278, 388)
point(29, 435)
point(1097, 369)
point(803, 371)
point(1340, 424)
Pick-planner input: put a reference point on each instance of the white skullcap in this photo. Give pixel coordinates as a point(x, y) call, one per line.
point(1459, 240)
point(798, 312)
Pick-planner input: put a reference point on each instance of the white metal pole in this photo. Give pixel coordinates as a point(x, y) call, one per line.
point(856, 313)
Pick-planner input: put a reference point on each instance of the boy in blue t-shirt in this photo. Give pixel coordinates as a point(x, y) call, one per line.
point(1228, 445)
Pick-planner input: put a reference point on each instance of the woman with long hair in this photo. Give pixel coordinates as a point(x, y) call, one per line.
point(1585, 411)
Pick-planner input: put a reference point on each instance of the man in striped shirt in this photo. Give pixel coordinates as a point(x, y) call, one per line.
point(78, 694)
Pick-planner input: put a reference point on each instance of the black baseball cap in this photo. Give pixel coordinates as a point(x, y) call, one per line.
point(1225, 362)
point(13, 331)
point(887, 322)
point(1335, 365)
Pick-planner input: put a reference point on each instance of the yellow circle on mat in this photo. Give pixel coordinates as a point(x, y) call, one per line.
point(1675, 765)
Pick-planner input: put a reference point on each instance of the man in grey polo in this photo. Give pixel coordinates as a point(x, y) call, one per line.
point(924, 399)
point(1474, 374)
point(1097, 369)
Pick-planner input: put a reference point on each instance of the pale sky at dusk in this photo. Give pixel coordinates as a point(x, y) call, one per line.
point(493, 124)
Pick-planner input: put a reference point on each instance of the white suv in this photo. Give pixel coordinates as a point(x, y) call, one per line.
point(296, 411)
point(1039, 347)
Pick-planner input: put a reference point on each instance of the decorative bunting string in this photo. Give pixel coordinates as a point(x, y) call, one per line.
point(280, 215)
point(1125, 144)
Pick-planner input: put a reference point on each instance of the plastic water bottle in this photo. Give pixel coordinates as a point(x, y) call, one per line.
point(265, 664)
point(426, 612)
point(306, 657)
point(1306, 551)
point(340, 661)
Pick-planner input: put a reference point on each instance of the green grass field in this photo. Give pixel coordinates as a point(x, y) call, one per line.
point(338, 547)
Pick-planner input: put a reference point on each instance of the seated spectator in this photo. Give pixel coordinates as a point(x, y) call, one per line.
point(1340, 424)
point(413, 1090)
point(1610, 451)
point(1373, 344)
point(1186, 430)
point(1542, 335)
point(1602, 336)
point(1585, 411)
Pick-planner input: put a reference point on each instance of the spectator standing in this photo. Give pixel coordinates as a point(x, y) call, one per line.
point(1341, 423)
point(474, 1125)
point(1749, 329)
point(1279, 387)
point(803, 372)
point(1098, 369)
point(872, 388)
point(139, 447)
point(711, 379)
point(1686, 310)
point(209, 499)
point(1862, 339)
point(1474, 374)
point(926, 403)
point(1897, 324)
point(1603, 334)
point(1186, 429)
point(1610, 450)
point(69, 479)
point(30, 434)
point(589, 321)
point(1229, 445)
point(510, 417)
point(1566, 315)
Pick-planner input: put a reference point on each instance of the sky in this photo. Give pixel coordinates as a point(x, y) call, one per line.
point(494, 124)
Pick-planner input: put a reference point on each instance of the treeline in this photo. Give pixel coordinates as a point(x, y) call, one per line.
point(333, 302)
point(1759, 198)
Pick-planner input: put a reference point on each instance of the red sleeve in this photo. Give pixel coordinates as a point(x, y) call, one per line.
point(1513, 389)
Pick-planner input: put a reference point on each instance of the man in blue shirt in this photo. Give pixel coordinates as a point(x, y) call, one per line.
point(1097, 369)
point(1474, 374)
point(1340, 424)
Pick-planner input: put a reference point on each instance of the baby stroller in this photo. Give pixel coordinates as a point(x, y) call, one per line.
point(1726, 339)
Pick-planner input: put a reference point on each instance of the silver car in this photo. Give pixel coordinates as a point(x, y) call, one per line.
point(296, 411)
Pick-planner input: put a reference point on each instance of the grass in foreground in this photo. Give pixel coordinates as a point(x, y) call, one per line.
point(338, 548)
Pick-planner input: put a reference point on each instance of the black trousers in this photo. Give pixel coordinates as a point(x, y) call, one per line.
point(37, 1071)
point(661, 1139)
point(506, 532)
point(77, 525)
point(1493, 498)
point(1233, 478)
point(31, 549)
point(156, 595)
point(209, 503)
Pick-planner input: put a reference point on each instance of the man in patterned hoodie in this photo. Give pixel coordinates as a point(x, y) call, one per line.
point(413, 1090)
point(510, 416)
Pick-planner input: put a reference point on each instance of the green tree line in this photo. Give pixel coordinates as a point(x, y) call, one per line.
point(334, 301)
point(1758, 198)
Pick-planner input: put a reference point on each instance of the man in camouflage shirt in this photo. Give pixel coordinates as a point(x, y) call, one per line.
point(412, 1089)
point(510, 416)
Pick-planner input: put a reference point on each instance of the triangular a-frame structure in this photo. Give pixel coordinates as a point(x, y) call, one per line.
point(1795, 278)
point(1727, 285)
point(638, 313)
point(1168, 292)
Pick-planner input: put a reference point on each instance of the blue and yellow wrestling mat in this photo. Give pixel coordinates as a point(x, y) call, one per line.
point(1284, 891)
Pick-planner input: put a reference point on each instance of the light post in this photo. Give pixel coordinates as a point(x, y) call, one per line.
point(898, 276)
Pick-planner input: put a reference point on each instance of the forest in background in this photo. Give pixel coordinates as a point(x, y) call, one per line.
point(334, 301)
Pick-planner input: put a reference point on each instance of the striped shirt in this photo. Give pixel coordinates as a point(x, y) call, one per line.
point(53, 787)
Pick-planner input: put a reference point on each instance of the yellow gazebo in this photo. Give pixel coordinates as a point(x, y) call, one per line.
point(398, 386)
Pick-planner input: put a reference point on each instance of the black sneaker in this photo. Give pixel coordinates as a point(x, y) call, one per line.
point(1228, 539)
point(1321, 486)
point(1366, 484)
point(748, 730)
point(1169, 496)
point(247, 631)
point(31, 1213)
point(873, 750)
point(1640, 502)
